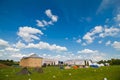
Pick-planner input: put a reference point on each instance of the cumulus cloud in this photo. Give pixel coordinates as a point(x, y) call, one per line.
point(41, 45)
point(3, 43)
point(40, 23)
point(90, 36)
point(99, 42)
point(65, 56)
point(12, 56)
point(47, 46)
point(91, 54)
point(19, 45)
point(29, 34)
point(11, 49)
point(112, 31)
point(18, 55)
point(101, 32)
point(108, 43)
point(116, 45)
point(88, 51)
point(117, 18)
point(84, 44)
point(43, 23)
point(54, 18)
point(78, 41)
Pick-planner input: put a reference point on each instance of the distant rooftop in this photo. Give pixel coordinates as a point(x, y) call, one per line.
point(32, 56)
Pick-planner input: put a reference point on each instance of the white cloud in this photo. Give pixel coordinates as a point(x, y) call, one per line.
point(54, 18)
point(43, 23)
point(19, 45)
point(40, 23)
point(101, 32)
point(90, 36)
point(117, 19)
point(1, 52)
point(112, 31)
point(18, 55)
point(99, 42)
point(84, 44)
point(88, 51)
point(97, 29)
point(48, 13)
point(29, 34)
point(12, 56)
point(47, 46)
point(94, 55)
point(78, 41)
point(108, 43)
point(3, 43)
point(11, 53)
point(116, 45)
point(11, 49)
point(65, 56)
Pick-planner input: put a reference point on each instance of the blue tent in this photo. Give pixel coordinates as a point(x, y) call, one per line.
point(94, 66)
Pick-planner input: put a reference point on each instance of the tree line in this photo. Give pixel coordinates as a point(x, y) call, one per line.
point(111, 62)
point(9, 62)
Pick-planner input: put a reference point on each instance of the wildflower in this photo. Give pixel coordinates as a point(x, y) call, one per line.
point(105, 78)
point(54, 76)
point(69, 74)
point(94, 70)
point(6, 75)
point(28, 74)
point(29, 79)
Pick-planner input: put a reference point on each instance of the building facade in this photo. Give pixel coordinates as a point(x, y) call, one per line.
point(31, 61)
point(50, 61)
point(78, 62)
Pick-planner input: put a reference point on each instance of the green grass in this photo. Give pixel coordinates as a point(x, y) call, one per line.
point(54, 73)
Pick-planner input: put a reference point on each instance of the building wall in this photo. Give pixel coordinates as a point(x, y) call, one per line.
point(31, 62)
point(50, 61)
point(78, 62)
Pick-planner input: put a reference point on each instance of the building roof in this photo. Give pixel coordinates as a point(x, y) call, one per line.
point(32, 56)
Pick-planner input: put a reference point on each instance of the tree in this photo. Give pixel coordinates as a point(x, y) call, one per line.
point(111, 62)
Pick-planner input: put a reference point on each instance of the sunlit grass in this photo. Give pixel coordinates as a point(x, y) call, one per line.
point(54, 73)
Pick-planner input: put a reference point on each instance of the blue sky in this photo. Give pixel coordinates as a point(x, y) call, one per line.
point(60, 29)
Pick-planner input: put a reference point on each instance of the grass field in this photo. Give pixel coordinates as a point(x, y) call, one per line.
point(54, 73)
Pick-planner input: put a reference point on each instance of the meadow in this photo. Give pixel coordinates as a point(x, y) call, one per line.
point(55, 73)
